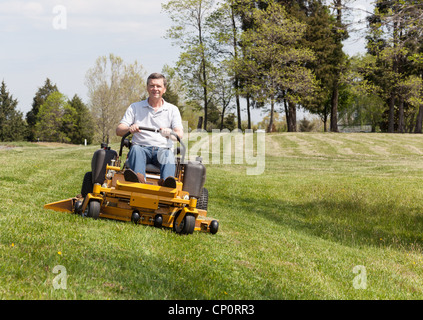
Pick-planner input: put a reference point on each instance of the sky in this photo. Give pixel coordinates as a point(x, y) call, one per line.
point(61, 40)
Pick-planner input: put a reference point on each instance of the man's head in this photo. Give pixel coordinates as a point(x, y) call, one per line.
point(156, 85)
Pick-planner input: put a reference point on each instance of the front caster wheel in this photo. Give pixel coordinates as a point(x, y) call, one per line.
point(214, 226)
point(94, 209)
point(186, 226)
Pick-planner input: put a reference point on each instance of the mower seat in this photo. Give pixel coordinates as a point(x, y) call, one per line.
point(151, 168)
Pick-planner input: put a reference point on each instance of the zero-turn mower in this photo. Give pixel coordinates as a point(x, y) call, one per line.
point(106, 194)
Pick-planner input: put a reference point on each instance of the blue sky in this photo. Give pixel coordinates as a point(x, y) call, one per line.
point(34, 48)
point(61, 39)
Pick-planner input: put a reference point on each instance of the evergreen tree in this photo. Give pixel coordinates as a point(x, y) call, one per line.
point(12, 125)
point(275, 64)
point(55, 118)
point(84, 125)
point(40, 97)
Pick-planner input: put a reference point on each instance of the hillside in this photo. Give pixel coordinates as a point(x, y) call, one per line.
point(333, 216)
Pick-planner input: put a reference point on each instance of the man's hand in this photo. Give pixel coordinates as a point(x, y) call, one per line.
point(165, 132)
point(134, 128)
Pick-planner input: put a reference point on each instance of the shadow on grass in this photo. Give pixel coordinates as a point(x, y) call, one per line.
point(354, 223)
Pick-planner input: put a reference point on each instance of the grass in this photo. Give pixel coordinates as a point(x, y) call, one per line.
point(325, 204)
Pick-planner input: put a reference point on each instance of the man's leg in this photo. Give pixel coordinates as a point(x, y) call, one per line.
point(138, 157)
point(166, 160)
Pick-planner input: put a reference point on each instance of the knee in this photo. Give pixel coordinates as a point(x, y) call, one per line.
point(165, 156)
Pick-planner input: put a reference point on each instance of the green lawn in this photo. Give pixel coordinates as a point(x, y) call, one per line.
point(327, 205)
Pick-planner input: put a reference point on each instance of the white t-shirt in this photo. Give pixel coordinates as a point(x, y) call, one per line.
point(142, 114)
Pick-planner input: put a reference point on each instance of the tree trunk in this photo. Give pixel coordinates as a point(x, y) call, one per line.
point(419, 121)
point(272, 109)
point(235, 44)
point(248, 112)
point(287, 115)
point(292, 117)
point(391, 114)
point(334, 108)
point(401, 116)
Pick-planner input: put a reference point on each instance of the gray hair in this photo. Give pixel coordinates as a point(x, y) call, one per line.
point(157, 76)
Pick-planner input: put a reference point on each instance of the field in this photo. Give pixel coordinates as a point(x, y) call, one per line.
point(333, 216)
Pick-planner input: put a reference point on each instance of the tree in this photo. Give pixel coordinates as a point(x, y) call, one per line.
point(320, 36)
point(112, 87)
point(84, 126)
point(394, 41)
point(341, 34)
point(190, 32)
point(275, 61)
point(226, 36)
point(39, 98)
point(55, 119)
point(12, 125)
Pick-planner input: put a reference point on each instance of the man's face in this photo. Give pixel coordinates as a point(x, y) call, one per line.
point(156, 88)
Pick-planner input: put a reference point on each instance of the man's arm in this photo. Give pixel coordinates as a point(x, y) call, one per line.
point(122, 129)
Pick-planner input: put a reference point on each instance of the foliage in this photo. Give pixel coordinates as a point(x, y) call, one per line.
point(190, 32)
point(84, 125)
point(54, 119)
point(40, 97)
point(112, 86)
point(276, 59)
point(12, 126)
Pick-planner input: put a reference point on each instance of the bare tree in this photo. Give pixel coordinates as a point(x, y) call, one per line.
point(112, 87)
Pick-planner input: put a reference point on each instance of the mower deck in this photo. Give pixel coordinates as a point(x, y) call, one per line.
point(147, 204)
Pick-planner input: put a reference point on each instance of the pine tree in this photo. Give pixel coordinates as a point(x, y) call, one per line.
point(84, 125)
point(40, 97)
point(12, 125)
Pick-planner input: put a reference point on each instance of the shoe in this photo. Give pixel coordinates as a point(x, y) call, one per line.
point(132, 176)
point(170, 182)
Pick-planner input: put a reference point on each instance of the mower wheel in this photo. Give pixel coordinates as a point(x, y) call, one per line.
point(186, 226)
point(87, 184)
point(94, 209)
point(158, 221)
point(135, 217)
point(214, 226)
point(202, 202)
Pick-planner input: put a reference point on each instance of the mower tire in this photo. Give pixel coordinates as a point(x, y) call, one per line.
point(94, 209)
point(186, 226)
point(87, 184)
point(203, 201)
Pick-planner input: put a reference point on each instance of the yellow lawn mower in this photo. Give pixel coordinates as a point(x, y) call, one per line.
point(105, 193)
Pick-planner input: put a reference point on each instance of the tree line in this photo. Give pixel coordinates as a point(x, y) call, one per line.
point(52, 118)
point(277, 55)
point(284, 55)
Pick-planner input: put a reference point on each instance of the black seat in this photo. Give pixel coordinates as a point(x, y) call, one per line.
point(151, 168)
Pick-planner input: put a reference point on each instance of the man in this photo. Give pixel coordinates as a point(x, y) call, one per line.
point(150, 147)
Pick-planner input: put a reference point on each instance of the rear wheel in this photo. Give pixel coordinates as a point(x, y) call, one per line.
point(203, 201)
point(94, 209)
point(186, 226)
point(87, 184)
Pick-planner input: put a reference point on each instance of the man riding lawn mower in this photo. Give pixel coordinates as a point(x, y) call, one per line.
point(115, 192)
point(172, 195)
